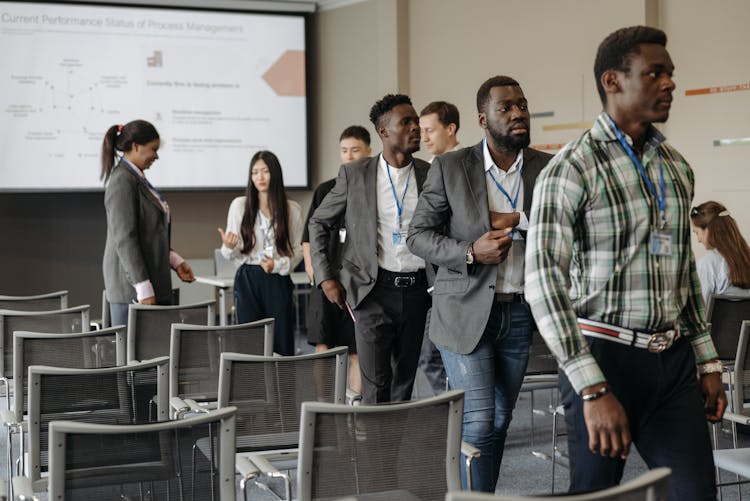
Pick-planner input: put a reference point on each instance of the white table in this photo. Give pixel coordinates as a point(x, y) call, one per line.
point(224, 284)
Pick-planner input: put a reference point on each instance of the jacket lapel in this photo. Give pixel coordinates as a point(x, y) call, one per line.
point(371, 194)
point(473, 165)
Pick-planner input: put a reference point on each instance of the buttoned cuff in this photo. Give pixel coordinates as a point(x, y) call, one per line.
point(583, 371)
point(143, 290)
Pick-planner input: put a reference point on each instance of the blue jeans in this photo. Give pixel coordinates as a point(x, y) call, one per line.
point(491, 378)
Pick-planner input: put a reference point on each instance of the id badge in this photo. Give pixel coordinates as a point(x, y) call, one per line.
point(268, 251)
point(398, 238)
point(661, 243)
point(342, 235)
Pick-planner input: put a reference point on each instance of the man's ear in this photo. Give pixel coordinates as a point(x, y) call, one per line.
point(483, 120)
point(451, 129)
point(611, 82)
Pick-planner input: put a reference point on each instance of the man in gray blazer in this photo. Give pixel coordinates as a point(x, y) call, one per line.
point(381, 281)
point(471, 221)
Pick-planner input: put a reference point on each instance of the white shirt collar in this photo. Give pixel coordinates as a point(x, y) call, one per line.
point(489, 162)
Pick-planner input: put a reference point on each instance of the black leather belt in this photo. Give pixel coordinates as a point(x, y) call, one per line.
point(509, 297)
point(401, 280)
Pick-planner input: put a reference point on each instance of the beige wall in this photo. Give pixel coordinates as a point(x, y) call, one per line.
point(434, 49)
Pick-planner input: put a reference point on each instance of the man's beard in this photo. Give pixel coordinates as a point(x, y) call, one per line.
point(511, 142)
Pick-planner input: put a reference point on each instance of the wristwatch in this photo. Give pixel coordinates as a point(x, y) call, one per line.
point(470, 254)
point(710, 367)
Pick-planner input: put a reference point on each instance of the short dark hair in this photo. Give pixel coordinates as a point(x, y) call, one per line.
point(483, 94)
point(382, 107)
point(356, 132)
point(615, 50)
point(447, 113)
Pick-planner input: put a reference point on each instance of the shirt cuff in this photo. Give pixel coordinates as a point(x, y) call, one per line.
point(143, 290)
point(175, 259)
point(583, 371)
point(523, 222)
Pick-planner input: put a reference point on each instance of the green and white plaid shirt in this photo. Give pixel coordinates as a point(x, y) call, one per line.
point(587, 250)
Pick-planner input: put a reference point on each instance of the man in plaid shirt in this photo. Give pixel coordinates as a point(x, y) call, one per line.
point(611, 280)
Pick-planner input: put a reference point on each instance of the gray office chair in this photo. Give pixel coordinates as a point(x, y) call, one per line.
point(61, 321)
point(725, 314)
point(736, 460)
point(41, 302)
point(378, 451)
point(149, 326)
point(83, 350)
point(94, 462)
point(116, 395)
point(268, 393)
point(651, 486)
point(194, 358)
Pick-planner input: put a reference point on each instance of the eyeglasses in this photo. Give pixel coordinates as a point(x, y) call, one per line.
point(694, 212)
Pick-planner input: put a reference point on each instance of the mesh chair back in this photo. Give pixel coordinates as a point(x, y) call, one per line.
point(84, 350)
point(541, 360)
point(381, 449)
point(42, 302)
point(194, 354)
point(131, 394)
point(741, 387)
point(725, 314)
point(149, 326)
point(61, 321)
point(268, 393)
point(155, 461)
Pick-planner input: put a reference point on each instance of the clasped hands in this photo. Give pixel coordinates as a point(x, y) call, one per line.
point(493, 246)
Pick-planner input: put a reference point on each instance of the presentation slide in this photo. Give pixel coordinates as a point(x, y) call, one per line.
point(218, 87)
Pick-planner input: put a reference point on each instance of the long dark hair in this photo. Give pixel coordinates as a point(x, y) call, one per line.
point(277, 205)
point(725, 237)
point(122, 138)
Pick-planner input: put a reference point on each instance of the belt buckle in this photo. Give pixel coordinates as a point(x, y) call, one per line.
point(404, 281)
point(660, 341)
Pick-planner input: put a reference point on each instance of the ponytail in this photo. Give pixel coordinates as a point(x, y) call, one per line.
point(121, 138)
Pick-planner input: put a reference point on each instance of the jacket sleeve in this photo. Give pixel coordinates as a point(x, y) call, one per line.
point(319, 228)
point(121, 201)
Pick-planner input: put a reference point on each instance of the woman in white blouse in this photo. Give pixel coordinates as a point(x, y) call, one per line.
point(725, 269)
point(263, 234)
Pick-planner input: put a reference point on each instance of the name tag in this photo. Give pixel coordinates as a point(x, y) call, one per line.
point(398, 237)
point(661, 244)
point(342, 235)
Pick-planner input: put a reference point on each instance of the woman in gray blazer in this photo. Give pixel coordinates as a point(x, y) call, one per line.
point(137, 255)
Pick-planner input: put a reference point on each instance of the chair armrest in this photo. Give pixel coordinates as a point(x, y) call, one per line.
point(195, 406)
point(266, 468)
point(23, 490)
point(245, 467)
point(352, 397)
point(471, 454)
point(179, 406)
point(469, 450)
point(737, 418)
point(9, 418)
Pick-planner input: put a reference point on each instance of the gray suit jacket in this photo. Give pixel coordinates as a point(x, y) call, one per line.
point(137, 247)
point(355, 196)
point(453, 212)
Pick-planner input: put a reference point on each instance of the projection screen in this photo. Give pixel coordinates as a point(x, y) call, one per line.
point(218, 86)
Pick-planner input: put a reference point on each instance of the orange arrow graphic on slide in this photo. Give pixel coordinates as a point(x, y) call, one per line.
point(287, 75)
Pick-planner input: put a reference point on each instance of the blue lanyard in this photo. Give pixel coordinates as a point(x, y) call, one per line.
point(143, 179)
point(512, 201)
point(660, 200)
point(399, 205)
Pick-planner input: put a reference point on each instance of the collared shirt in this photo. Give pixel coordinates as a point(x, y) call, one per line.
point(510, 272)
point(588, 248)
point(265, 237)
point(395, 257)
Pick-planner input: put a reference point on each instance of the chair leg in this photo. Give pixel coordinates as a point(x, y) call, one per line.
point(554, 447)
